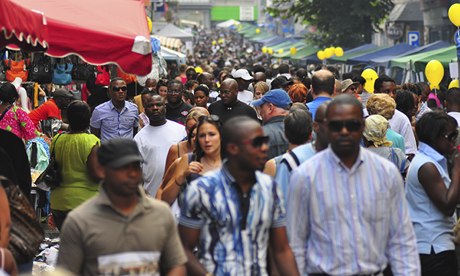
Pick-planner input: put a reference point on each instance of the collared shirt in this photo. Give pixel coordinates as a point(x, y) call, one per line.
point(401, 124)
point(274, 128)
point(97, 239)
point(313, 105)
point(212, 204)
point(432, 227)
point(283, 174)
point(113, 123)
point(353, 221)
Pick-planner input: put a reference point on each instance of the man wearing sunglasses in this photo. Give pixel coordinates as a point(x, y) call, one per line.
point(346, 207)
point(233, 214)
point(115, 118)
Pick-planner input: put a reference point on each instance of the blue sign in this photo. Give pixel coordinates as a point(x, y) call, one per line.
point(158, 5)
point(457, 43)
point(413, 38)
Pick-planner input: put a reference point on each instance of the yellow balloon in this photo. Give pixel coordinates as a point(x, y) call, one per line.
point(329, 52)
point(264, 50)
point(257, 31)
point(293, 51)
point(270, 51)
point(454, 14)
point(198, 70)
point(214, 42)
point(434, 72)
point(280, 51)
point(453, 84)
point(149, 23)
point(338, 51)
point(321, 55)
point(370, 76)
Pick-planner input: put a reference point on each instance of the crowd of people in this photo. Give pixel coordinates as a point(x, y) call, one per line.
point(235, 167)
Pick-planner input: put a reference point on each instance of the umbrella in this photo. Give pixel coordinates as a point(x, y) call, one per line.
point(100, 32)
point(22, 26)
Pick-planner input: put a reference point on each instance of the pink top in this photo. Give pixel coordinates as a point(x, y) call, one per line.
point(18, 122)
point(434, 97)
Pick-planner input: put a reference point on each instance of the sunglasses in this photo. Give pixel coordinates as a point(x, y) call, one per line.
point(212, 118)
point(173, 92)
point(350, 125)
point(257, 142)
point(452, 136)
point(118, 88)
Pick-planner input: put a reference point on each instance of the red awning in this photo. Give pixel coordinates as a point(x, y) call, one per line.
point(99, 31)
point(21, 26)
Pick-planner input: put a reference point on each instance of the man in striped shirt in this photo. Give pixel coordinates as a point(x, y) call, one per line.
point(346, 209)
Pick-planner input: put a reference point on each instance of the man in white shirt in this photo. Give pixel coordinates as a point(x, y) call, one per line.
point(243, 78)
point(155, 139)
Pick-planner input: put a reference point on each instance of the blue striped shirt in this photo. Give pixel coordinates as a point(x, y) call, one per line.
point(345, 221)
point(211, 203)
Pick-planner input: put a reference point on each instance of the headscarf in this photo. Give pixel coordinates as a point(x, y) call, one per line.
point(375, 131)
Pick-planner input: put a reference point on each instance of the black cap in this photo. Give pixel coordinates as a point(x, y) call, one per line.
point(62, 93)
point(118, 152)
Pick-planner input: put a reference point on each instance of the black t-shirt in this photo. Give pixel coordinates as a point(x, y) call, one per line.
point(226, 112)
point(177, 113)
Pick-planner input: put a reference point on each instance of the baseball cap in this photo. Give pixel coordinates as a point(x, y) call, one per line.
point(118, 152)
point(242, 74)
point(277, 97)
point(347, 83)
point(62, 93)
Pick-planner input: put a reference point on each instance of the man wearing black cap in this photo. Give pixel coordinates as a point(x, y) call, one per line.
point(273, 108)
point(51, 109)
point(121, 229)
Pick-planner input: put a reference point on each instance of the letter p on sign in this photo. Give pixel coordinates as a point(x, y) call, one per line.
point(413, 38)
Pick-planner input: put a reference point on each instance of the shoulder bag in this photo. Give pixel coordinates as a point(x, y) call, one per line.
point(51, 176)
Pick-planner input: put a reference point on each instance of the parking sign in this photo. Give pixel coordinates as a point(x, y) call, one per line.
point(413, 38)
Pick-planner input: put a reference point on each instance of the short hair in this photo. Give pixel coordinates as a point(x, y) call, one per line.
point(298, 126)
point(189, 96)
point(453, 96)
point(79, 115)
point(161, 83)
point(262, 86)
point(115, 80)
point(258, 68)
point(203, 88)
point(323, 84)
point(189, 84)
point(175, 82)
point(432, 125)
point(381, 104)
point(359, 79)
point(380, 80)
point(278, 82)
point(232, 131)
point(298, 92)
point(412, 87)
point(404, 101)
point(283, 68)
point(8, 93)
point(345, 99)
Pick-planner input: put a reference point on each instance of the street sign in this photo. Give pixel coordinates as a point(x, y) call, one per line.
point(413, 38)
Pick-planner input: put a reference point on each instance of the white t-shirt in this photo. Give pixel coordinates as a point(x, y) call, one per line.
point(456, 116)
point(153, 143)
point(401, 124)
point(245, 96)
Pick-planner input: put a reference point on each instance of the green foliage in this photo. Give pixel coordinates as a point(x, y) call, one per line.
point(345, 23)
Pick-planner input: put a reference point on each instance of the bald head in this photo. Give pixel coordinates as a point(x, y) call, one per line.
point(237, 129)
point(229, 91)
point(229, 84)
point(323, 82)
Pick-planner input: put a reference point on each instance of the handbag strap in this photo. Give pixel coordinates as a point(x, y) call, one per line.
point(54, 145)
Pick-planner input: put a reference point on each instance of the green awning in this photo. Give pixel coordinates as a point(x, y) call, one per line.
point(444, 55)
point(304, 52)
point(287, 49)
point(345, 57)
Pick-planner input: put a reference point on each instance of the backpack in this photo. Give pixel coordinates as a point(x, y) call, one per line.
point(40, 69)
point(291, 160)
point(61, 74)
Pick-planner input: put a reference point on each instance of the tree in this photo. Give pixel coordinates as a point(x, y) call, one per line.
point(345, 23)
